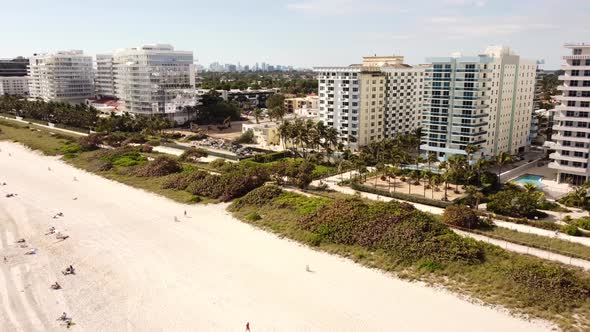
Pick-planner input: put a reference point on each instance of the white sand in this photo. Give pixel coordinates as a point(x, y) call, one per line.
point(138, 270)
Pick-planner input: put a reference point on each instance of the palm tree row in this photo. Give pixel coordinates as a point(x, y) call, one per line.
point(80, 115)
point(302, 136)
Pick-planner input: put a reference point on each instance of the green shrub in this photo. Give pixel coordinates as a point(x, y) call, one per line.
point(159, 167)
point(270, 157)
point(545, 284)
point(90, 142)
point(583, 223)
point(217, 163)
point(193, 153)
point(397, 228)
point(515, 203)
point(461, 216)
point(258, 197)
point(70, 148)
point(181, 181)
point(246, 137)
point(99, 165)
point(429, 265)
point(230, 185)
point(196, 137)
point(572, 230)
point(253, 216)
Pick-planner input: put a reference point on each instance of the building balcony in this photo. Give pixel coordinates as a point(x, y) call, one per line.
point(572, 108)
point(571, 67)
point(560, 147)
point(569, 169)
point(567, 77)
point(573, 88)
point(577, 57)
point(572, 98)
point(559, 156)
point(560, 137)
point(572, 128)
point(563, 117)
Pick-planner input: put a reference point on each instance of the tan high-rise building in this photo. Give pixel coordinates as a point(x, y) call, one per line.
point(372, 101)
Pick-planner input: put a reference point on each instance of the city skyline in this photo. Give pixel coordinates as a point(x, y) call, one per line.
point(300, 33)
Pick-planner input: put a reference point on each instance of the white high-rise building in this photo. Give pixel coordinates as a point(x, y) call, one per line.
point(373, 101)
point(571, 126)
point(105, 76)
point(65, 76)
point(484, 100)
point(143, 75)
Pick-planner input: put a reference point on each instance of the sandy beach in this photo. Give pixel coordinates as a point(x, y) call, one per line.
point(139, 270)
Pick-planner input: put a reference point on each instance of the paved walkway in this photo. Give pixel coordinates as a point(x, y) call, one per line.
point(528, 250)
point(543, 232)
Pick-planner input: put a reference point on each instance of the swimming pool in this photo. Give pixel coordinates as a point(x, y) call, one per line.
point(529, 178)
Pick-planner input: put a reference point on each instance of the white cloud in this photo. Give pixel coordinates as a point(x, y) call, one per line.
point(476, 3)
point(466, 27)
point(342, 7)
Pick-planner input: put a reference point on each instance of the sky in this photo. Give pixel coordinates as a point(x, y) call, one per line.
point(302, 33)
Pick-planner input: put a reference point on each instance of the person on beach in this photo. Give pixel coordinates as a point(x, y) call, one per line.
point(5, 260)
point(185, 213)
point(247, 326)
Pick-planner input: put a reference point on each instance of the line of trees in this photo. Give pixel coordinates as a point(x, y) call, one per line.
point(80, 115)
point(302, 136)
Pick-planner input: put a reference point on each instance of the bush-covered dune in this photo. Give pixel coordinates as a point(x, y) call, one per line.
point(396, 237)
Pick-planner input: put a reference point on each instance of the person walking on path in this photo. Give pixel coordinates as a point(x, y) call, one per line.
point(247, 326)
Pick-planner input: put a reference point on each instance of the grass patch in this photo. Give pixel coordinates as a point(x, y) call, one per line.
point(558, 246)
point(49, 142)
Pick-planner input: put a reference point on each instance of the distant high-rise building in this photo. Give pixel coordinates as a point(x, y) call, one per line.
point(66, 76)
point(143, 75)
point(485, 101)
point(571, 126)
point(13, 77)
point(105, 76)
point(373, 101)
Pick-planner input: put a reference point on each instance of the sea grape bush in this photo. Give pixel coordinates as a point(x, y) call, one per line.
point(398, 228)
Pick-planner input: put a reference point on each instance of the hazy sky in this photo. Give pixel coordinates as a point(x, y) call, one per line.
point(297, 32)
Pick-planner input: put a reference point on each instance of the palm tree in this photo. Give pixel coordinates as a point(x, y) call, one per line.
point(474, 196)
point(530, 188)
point(444, 176)
point(470, 149)
point(431, 158)
point(502, 159)
point(425, 174)
point(479, 166)
point(257, 114)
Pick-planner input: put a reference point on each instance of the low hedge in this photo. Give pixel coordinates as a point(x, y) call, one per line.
point(411, 198)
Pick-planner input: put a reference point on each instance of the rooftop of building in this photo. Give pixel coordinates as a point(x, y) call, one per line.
point(576, 45)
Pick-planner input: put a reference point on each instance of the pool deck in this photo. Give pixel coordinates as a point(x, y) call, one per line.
point(549, 184)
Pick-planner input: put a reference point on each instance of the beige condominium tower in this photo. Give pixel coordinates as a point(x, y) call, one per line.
point(371, 101)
